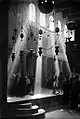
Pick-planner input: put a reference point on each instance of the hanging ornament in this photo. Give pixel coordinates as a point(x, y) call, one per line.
point(45, 6)
point(57, 29)
point(31, 34)
point(15, 30)
point(40, 51)
point(13, 56)
point(56, 50)
point(28, 39)
point(40, 32)
point(21, 36)
point(13, 39)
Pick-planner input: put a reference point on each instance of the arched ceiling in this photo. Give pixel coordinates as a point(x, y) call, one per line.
point(70, 8)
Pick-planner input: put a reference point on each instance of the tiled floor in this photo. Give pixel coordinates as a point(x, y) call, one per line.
point(62, 114)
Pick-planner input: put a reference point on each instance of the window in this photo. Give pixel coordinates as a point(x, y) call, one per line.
point(51, 23)
point(32, 12)
point(42, 19)
point(59, 25)
point(65, 31)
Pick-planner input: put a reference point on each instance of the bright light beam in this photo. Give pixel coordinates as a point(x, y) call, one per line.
point(12, 66)
point(38, 75)
point(51, 27)
point(15, 63)
point(38, 78)
point(65, 56)
point(32, 12)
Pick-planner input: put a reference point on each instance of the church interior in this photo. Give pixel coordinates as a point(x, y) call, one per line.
point(41, 71)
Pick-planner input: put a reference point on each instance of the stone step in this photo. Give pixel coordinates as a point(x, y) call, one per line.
point(24, 105)
point(32, 110)
point(40, 114)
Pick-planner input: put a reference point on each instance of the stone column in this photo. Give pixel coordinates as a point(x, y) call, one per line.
point(22, 67)
point(3, 56)
point(25, 54)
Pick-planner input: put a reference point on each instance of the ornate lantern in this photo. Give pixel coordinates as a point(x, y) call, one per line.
point(40, 51)
point(13, 56)
point(21, 35)
point(40, 32)
point(45, 6)
point(57, 29)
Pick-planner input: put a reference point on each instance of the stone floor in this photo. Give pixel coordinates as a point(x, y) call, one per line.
point(59, 113)
point(44, 93)
point(63, 114)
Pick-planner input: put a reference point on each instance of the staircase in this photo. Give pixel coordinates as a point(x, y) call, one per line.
point(25, 111)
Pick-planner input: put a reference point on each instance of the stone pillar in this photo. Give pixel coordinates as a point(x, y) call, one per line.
point(25, 53)
point(3, 56)
point(45, 70)
point(22, 66)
